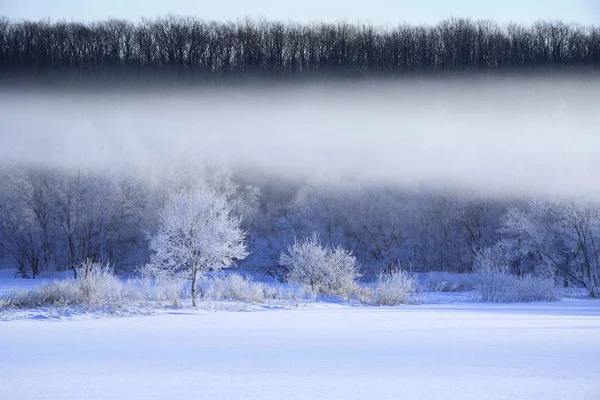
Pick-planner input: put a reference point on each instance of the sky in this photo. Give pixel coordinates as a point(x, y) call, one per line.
point(378, 12)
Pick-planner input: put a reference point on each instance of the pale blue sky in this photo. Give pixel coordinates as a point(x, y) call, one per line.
point(379, 12)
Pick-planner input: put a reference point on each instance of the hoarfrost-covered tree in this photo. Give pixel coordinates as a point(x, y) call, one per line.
point(196, 233)
point(565, 234)
point(322, 206)
point(27, 230)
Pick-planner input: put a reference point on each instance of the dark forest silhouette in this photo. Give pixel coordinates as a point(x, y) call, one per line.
point(188, 47)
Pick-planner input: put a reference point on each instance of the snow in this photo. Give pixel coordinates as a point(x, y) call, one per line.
point(327, 351)
point(9, 282)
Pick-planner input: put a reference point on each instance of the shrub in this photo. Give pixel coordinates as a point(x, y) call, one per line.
point(233, 287)
point(146, 290)
point(533, 288)
point(505, 288)
point(159, 284)
point(97, 289)
point(324, 269)
point(495, 284)
point(393, 288)
point(446, 282)
point(288, 292)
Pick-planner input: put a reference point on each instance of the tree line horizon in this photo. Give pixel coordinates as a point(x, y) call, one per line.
point(189, 47)
point(53, 219)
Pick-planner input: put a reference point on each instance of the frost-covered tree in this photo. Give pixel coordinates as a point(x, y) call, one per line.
point(368, 218)
point(83, 209)
point(322, 206)
point(564, 234)
point(377, 225)
point(196, 233)
point(439, 240)
point(27, 231)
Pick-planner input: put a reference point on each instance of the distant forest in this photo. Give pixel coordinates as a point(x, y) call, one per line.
point(188, 47)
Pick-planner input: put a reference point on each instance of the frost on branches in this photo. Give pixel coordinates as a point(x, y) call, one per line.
point(196, 233)
point(565, 234)
point(325, 269)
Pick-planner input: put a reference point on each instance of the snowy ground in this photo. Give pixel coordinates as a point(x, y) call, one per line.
point(450, 351)
point(8, 280)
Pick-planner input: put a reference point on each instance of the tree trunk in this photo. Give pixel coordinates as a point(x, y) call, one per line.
point(194, 278)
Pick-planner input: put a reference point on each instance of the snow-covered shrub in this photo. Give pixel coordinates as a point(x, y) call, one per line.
point(147, 290)
point(233, 287)
point(493, 286)
point(494, 283)
point(288, 291)
point(158, 284)
point(245, 289)
point(505, 288)
point(446, 282)
point(532, 288)
point(275, 291)
point(393, 288)
point(324, 269)
point(98, 289)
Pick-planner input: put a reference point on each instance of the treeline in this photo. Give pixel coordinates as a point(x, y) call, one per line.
point(53, 219)
point(192, 48)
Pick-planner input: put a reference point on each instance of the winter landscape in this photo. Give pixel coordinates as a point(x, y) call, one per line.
point(265, 201)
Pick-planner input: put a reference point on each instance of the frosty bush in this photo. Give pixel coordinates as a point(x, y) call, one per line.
point(288, 291)
point(393, 288)
point(243, 288)
point(494, 283)
point(324, 269)
point(97, 289)
point(233, 287)
point(504, 288)
point(158, 284)
point(532, 288)
point(147, 290)
point(446, 282)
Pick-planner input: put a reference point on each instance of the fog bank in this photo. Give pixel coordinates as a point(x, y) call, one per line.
point(506, 136)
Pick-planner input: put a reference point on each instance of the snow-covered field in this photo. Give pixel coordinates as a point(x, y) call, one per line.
point(324, 351)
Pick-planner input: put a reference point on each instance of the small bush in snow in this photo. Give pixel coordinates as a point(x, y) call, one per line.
point(494, 283)
point(147, 290)
point(97, 289)
point(158, 284)
point(393, 288)
point(245, 289)
point(233, 287)
point(533, 288)
point(324, 269)
point(288, 292)
point(504, 288)
point(446, 282)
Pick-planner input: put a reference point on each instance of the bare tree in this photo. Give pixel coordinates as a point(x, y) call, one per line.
point(186, 47)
